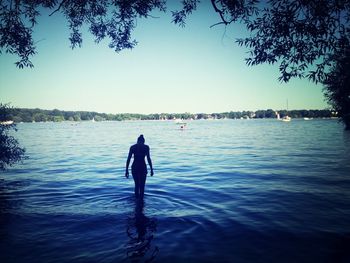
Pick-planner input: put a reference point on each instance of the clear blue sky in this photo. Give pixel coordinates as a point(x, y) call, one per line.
point(172, 69)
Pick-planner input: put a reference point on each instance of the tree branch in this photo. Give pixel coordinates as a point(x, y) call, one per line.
point(219, 23)
point(58, 8)
point(221, 13)
point(152, 16)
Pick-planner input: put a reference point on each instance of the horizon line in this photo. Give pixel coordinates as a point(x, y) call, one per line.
point(185, 112)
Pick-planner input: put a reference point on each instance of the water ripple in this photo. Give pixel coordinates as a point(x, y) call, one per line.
point(223, 191)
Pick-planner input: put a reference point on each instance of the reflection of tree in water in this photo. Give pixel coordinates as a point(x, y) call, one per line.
point(140, 230)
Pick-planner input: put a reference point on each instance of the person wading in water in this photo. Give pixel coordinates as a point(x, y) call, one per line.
point(138, 168)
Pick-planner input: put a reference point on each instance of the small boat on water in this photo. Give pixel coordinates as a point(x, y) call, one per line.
point(6, 122)
point(286, 118)
point(179, 121)
point(182, 125)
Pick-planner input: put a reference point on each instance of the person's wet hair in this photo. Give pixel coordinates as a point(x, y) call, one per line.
point(141, 139)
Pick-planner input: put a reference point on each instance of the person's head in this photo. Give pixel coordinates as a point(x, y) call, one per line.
point(140, 139)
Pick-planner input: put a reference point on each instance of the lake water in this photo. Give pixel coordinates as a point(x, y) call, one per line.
point(223, 191)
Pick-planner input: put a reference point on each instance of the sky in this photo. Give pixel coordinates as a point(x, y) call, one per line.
point(171, 70)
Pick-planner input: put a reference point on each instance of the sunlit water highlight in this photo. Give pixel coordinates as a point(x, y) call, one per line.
point(223, 191)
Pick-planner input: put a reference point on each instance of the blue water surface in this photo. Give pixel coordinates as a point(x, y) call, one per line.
point(223, 191)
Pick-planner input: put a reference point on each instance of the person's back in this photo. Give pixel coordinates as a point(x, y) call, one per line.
point(140, 151)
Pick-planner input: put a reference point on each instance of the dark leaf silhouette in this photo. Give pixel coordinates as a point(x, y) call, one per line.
point(10, 151)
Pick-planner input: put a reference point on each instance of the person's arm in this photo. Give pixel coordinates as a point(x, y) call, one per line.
point(149, 161)
point(127, 164)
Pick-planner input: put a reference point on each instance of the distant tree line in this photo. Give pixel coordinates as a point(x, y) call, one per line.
point(38, 115)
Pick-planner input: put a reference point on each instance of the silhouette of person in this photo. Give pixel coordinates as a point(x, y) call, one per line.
point(138, 168)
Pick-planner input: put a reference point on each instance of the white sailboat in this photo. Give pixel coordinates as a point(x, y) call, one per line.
point(286, 118)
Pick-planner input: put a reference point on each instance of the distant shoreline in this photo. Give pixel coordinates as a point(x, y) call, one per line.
point(38, 115)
